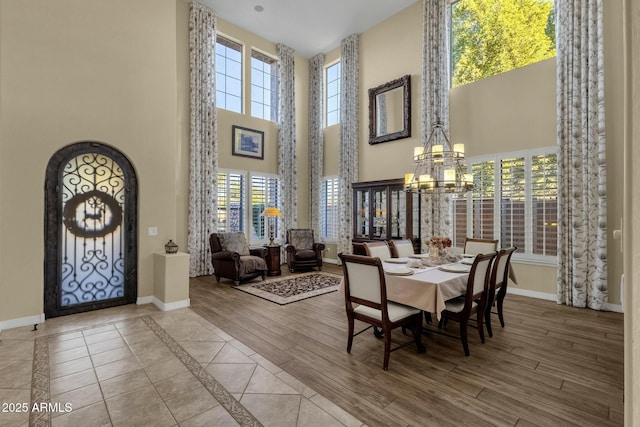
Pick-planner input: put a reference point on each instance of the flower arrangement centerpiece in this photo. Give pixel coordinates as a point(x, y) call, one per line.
point(439, 246)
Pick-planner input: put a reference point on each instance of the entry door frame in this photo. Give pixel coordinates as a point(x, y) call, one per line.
point(54, 228)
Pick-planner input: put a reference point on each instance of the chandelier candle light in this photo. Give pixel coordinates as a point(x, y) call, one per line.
point(269, 213)
point(439, 168)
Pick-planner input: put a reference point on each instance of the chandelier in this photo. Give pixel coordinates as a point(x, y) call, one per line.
point(439, 168)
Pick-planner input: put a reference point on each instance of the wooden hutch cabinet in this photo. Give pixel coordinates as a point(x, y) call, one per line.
point(383, 210)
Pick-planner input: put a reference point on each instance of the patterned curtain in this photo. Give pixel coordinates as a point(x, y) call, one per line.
point(582, 200)
point(349, 132)
point(316, 142)
point(203, 192)
point(434, 215)
point(287, 139)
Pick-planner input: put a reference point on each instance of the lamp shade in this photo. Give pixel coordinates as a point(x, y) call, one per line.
point(271, 211)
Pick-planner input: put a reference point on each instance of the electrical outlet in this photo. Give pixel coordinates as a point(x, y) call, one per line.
point(152, 231)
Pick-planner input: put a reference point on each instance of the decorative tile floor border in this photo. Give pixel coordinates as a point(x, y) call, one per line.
point(40, 378)
point(228, 402)
point(40, 382)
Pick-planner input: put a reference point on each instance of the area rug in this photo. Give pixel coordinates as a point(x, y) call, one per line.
point(293, 288)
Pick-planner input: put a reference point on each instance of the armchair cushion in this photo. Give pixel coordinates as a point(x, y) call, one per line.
point(306, 254)
point(234, 242)
point(301, 239)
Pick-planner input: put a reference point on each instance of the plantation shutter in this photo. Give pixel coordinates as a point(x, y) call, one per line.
point(230, 202)
point(329, 208)
point(483, 199)
point(544, 201)
point(512, 203)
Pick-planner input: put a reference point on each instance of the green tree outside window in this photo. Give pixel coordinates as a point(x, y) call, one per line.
point(493, 36)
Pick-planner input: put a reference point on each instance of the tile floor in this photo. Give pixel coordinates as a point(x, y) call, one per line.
point(135, 365)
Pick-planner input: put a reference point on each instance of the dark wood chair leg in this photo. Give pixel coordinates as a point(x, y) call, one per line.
point(427, 317)
point(479, 319)
point(500, 316)
point(387, 348)
point(350, 338)
point(487, 320)
point(417, 335)
point(463, 336)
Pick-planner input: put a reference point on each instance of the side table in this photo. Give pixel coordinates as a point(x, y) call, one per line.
point(273, 260)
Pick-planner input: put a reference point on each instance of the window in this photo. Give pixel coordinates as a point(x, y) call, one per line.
point(265, 191)
point(228, 74)
point(489, 37)
point(329, 208)
point(514, 200)
point(264, 79)
point(242, 197)
point(332, 90)
point(231, 197)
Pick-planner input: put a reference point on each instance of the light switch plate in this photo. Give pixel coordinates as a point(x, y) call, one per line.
point(153, 231)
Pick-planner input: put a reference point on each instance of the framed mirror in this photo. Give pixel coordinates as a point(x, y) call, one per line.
point(390, 111)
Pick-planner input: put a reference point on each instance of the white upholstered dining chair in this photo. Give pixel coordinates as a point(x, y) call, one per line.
point(366, 300)
point(378, 249)
point(479, 246)
point(401, 248)
point(498, 286)
point(473, 301)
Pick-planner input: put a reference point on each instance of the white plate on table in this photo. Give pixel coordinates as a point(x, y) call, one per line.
point(419, 256)
point(468, 255)
point(402, 260)
point(467, 261)
point(400, 271)
point(455, 268)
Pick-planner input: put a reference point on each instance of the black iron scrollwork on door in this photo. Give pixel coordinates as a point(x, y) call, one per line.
point(92, 214)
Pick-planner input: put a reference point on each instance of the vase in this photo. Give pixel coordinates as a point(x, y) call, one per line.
point(171, 247)
point(434, 252)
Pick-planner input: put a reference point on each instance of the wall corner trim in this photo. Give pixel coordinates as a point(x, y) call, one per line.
point(21, 321)
point(167, 306)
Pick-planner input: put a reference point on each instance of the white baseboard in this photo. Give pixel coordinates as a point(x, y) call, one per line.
point(22, 321)
point(552, 297)
point(618, 308)
point(330, 261)
point(162, 305)
point(171, 305)
point(532, 294)
point(144, 300)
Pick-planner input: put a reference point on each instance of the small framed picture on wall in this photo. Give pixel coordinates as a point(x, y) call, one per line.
point(247, 142)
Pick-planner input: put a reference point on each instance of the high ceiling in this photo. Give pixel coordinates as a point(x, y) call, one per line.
point(308, 26)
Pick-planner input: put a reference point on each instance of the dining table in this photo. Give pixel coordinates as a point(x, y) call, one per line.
point(426, 287)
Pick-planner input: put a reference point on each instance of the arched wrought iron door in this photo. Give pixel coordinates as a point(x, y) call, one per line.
point(90, 230)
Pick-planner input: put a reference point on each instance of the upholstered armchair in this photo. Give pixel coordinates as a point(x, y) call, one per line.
point(233, 259)
point(302, 249)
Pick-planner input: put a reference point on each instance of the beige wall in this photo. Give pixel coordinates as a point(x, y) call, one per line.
point(70, 71)
point(226, 119)
point(508, 112)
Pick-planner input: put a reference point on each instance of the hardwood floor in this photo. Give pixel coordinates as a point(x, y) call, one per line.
point(551, 365)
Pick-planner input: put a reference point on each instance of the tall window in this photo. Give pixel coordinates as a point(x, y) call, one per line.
point(489, 37)
point(242, 197)
point(332, 90)
point(228, 74)
point(231, 201)
point(265, 191)
point(514, 200)
point(264, 78)
point(329, 208)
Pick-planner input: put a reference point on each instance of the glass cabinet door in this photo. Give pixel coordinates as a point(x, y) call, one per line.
point(398, 214)
point(379, 212)
point(362, 213)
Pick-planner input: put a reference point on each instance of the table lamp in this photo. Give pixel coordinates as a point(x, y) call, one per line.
point(271, 211)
